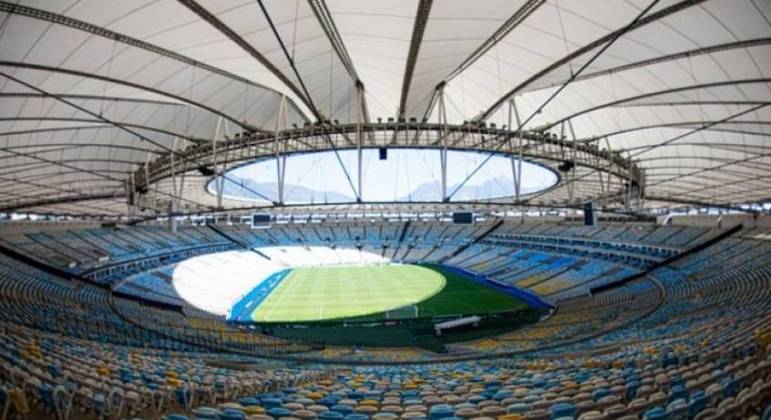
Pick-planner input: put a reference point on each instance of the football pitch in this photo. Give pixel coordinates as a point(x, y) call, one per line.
point(367, 292)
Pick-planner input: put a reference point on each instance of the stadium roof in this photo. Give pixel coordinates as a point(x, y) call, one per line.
point(92, 90)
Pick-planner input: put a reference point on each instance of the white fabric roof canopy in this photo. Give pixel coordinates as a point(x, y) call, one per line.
point(90, 89)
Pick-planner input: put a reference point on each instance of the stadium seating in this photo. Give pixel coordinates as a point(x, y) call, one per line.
point(688, 339)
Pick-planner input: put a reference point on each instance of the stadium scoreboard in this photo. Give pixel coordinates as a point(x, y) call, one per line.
point(463, 218)
point(261, 221)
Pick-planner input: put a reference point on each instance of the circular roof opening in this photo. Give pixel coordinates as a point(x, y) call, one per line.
point(406, 175)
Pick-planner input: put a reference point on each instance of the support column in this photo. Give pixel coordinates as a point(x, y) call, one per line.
point(219, 180)
point(359, 136)
point(443, 137)
point(516, 163)
point(174, 202)
point(609, 186)
point(279, 149)
point(146, 193)
point(130, 195)
point(572, 190)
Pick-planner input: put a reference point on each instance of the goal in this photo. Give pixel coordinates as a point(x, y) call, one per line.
point(403, 312)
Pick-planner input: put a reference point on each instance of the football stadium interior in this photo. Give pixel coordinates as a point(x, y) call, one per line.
point(385, 209)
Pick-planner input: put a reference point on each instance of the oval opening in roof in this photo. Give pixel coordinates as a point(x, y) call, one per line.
point(405, 175)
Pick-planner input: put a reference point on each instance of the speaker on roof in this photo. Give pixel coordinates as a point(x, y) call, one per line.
point(590, 216)
point(206, 171)
point(383, 152)
point(566, 166)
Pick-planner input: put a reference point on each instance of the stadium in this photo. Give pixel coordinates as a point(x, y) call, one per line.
point(385, 209)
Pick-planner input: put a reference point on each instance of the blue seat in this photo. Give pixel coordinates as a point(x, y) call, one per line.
point(182, 395)
point(631, 389)
point(677, 410)
point(562, 410)
point(342, 409)
point(330, 415)
point(476, 399)
point(355, 395)
point(247, 401)
point(206, 413)
point(277, 412)
point(502, 394)
point(271, 402)
point(373, 395)
point(440, 411)
point(496, 385)
point(232, 414)
point(46, 394)
point(327, 401)
point(729, 387)
point(655, 413)
point(600, 393)
point(767, 413)
point(676, 392)
point(518, 408)
point(174, 416)
point(356, 416)
point(697, 403)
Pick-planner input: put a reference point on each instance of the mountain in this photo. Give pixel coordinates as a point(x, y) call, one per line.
point(247, 189)
point(491, 188)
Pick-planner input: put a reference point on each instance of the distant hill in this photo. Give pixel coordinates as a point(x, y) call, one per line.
point(292, 193)
point(432, 190)
point(428, 191)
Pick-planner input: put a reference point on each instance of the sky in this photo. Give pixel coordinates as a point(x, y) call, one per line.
point(407, 175)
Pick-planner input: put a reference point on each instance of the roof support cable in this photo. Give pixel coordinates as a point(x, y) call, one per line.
point(109, 73)
point(586, 49)
point(512, 23)
point(705, 126)
point(589, 62)
point(564, 34)
point(117, 125)
point(315, 110)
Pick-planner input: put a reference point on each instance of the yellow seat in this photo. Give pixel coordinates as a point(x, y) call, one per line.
point(253, 409)
point(512, 416)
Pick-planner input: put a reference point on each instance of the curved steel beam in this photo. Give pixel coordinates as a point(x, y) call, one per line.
point(101, 125)
point(101, 117)
point(58, 147)
point(65, 164)
point(94, 185)
point(722, 165)
point(327, 23)
point(217, 24)
point(75, 201)
point(511, 23)
point(78, 73)
point(756, 42)
point(90, 98)
point(59, 19)
point(654, 17)
point(690, 103)
point(698, 203)
point(418, 28)
point(685, 124)
point(27, 167)
point(658, 93)
point(734, 147)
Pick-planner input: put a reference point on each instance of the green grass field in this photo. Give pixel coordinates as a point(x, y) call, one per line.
point(366, 292)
